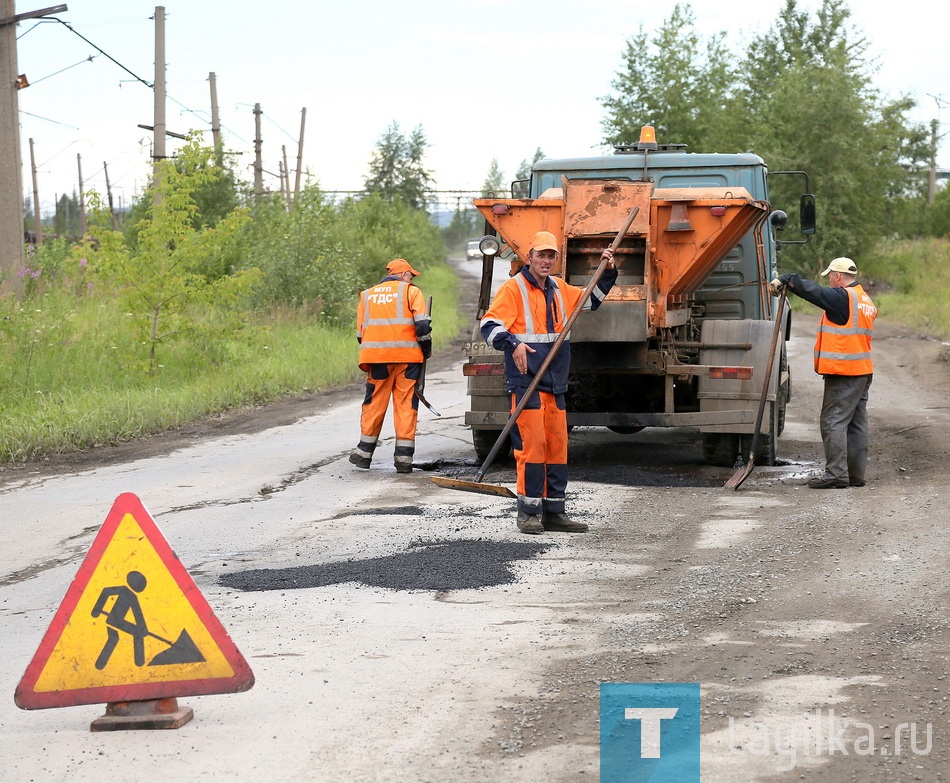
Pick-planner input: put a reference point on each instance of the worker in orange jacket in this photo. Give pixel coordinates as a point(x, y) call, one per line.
point(843, 357)
point(525, 317)
point(395, 337)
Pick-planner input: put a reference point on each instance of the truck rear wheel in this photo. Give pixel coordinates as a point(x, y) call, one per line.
point(720, 449)
point(484, 441)
point(767, 447)
point(784, 392)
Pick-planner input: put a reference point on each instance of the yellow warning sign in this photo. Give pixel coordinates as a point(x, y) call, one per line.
point(133, 626)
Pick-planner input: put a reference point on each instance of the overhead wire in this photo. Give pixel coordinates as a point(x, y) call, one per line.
point(136, 77)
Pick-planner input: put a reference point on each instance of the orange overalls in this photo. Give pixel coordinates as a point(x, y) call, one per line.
point(522, 312)
point(391, 319)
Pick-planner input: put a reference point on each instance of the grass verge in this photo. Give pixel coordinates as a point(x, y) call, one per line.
point(72, 378)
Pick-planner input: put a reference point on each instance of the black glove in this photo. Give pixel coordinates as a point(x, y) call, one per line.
point(426, 345)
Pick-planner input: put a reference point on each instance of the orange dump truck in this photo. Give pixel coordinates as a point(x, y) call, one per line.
point(683, 338)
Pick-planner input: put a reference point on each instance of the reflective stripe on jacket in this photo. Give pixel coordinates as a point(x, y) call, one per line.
point(522, 312)
point(846, 349)
point(390, 320)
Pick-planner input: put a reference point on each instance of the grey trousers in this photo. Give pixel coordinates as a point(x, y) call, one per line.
point(844, 426)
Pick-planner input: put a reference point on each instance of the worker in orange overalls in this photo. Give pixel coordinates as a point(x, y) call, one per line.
point(395, 337)
point(843, 357)
point(526, 315)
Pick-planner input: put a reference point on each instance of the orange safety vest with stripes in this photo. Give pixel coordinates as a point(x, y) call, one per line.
point(845, 349)
point(390, 318)
point(519, 313)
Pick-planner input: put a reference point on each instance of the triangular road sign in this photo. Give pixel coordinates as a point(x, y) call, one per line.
point(133, 626)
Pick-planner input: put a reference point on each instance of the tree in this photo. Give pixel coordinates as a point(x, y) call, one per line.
point(465, 224)
point(679, 85)
point(66, 219)
point(397, 167)
point(523, 174)
point(939, 214)
point(494, 184)
point(810, 81)
point(802, 97)
point(217, 198)
point(524, 170)
point(174, 267)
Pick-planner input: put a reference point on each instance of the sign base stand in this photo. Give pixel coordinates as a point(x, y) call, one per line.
point(145, 714)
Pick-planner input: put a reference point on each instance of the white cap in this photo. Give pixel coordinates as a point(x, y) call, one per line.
point(843, 265)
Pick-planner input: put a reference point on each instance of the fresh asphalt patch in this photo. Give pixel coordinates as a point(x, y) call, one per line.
point(429, 565)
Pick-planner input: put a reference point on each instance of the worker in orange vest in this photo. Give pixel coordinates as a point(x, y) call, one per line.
point(843, 357)
point(395, 337)
point(524, 318)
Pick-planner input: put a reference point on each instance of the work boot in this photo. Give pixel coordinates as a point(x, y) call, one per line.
point(402, 467)
point(359, 460)
point(556, 520)
point(856, 482)
point(529, 523)
point(826, 482)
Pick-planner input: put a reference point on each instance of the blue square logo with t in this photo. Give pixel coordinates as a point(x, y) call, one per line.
point(649, 732)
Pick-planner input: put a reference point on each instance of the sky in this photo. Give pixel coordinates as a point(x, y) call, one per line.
point(484, 79)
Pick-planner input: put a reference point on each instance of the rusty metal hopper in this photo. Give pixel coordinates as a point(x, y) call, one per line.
point(691, 231)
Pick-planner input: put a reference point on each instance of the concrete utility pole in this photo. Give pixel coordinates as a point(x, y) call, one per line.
point(216, 123)
point(158, 136)
point(37, 218)
point(932, 179)
point(285, 178)
point(82, 199)
point(105, 168)
point(303, 121)
point(258, 166)
point(12, 257)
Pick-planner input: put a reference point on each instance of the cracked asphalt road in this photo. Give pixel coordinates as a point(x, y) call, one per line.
point(789, 606)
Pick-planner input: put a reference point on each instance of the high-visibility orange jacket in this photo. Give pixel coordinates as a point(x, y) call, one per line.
point(845, 349)
point(391, 319)
point(523, 312)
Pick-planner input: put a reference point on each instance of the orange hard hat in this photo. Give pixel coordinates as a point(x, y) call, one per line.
point(399, 265)
point(544, 240)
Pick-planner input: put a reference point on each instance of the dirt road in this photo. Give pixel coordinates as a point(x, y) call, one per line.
point(803, 614)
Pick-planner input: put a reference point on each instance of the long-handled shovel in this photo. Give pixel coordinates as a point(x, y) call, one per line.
point(421, 383)
point(743, 472)
point(494, 489)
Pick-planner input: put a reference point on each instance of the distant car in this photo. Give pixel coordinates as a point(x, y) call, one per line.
point(471, 249)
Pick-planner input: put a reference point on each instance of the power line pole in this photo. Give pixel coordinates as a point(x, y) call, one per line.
point(285, 178)
point(82, 199)
point(105, 168)
point(12, 258)
point(934, 139)
point(216, 123)
point(258, 166)
point(158, 136)
point(37, 218)
point(303, 122)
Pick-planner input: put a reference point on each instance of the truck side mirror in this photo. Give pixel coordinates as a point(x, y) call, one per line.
point(806, 212)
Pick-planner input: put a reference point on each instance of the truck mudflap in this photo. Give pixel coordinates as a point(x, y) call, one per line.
point(743, 342)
